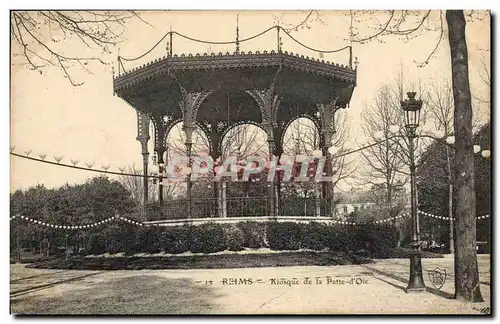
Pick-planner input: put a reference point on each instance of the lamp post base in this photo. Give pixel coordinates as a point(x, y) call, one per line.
point(416, 282)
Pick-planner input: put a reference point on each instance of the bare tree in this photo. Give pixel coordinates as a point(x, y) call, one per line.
point(134, 185)
point(244, 141)
point(406, 25)
point(310, 17)
point(387, 163)
point(485, 75)
point(43, 39)
point(302, 137)
point(440, 107)
point(466, 267)
point(176, 141)
point(383, 161)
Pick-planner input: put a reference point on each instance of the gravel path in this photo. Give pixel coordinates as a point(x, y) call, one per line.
point(352, 289)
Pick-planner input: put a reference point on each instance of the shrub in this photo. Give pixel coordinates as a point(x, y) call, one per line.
point(175, 240)
point(96, 244)
point(147, 240)
point(129, 243)
point(234, 238)
point(254, 234)
point(367, 237)
point(207, 238)
point(315, 236)
point(380, 238)
point(112, 232)
point(339, 238)
point(283, 236)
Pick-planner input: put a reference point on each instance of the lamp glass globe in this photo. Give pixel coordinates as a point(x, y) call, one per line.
point(439, 133)
point(486, 153)
point(333, 150)
point(317, 153)
point(394, 129)
point(378, 135)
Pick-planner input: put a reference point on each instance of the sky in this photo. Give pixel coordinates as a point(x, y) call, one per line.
point(88, 123)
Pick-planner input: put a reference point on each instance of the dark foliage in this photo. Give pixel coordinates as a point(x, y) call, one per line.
point(175, 240)
point(207, 238)
point(284, 236)
point(234, 238)
point(254, 234)
point(315, 236)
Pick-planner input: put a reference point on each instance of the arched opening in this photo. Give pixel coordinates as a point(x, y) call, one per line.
point(244, 139)
point(173, 189)
point(300, 138)
point(247, 196)
point(223, 109)
point(230, 106)
point(175, 141)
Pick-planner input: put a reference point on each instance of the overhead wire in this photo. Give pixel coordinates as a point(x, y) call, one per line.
point(239, 41)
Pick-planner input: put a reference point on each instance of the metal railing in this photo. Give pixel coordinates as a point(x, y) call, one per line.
point(236, 207)
point(299, 206)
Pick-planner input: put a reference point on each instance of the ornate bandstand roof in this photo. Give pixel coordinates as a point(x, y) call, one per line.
point(301, 80)
point(236, 60)
point(218, 91)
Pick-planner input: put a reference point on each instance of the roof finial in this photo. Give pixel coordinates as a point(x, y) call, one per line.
point(278, 37)
point(169, 43)
point(237, 34)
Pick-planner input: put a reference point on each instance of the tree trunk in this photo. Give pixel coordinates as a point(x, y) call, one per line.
point(450, 201)
point(466, 268)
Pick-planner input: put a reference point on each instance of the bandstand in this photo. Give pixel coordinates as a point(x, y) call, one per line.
point(202, 91)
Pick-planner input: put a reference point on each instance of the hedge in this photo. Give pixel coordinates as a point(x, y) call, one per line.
point(211, 237)
point(175, 240)
point(284, 236)
point(315, 236)
point(254, 234)
point(207, 238)
point(235, 238)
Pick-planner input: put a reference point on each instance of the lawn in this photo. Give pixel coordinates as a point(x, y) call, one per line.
point(251, 259)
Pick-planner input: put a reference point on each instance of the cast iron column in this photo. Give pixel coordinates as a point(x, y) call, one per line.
point(328, 185)
point(279, 204)
point(145, 158)
point(270, 186)
point(327, 113)
point(160, 184)
point(188, 129)
point(216, 196)
point(143, 137)
point(416, 282)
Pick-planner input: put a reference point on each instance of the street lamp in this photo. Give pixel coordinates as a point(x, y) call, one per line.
point(411, 108)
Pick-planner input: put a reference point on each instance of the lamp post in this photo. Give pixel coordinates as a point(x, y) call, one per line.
point(411, 108)
point(18, 249)
point(66, 245)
